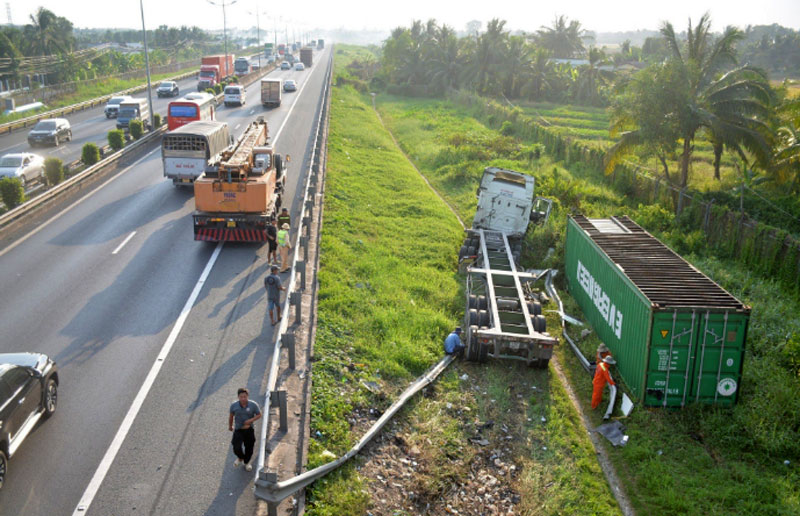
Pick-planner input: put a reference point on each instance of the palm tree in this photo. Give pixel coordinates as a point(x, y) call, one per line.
point(731, 105)
point(591, 77)
point(787, 156)
point(445, 59)
point(539, 73)
point(563, 39)
point(517, 60)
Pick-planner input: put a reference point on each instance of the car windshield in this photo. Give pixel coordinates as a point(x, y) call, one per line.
point(207, 74)
point(10, 161)
point(166, 85)
point(45, 125)
point(127, 111)
point(231, 91)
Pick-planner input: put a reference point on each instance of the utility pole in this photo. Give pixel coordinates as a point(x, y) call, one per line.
point(223, 4)
point(147, 68)
point(258, 28)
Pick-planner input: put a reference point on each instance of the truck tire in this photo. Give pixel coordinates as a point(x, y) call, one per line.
point(471, 251)
point(279, 165)
point(483, 303)
point(472, 351)
point(472, 317)
point(462, 253)
point(539, 323)
point(472, 301)
point(534, 308)
point(483, 352)
point(483, 318)
point(542, 363)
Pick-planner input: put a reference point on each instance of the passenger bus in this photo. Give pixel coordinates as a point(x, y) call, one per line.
point(190, 150)
point(195, 106)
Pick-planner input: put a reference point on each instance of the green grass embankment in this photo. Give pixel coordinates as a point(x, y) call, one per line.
point(697, 461)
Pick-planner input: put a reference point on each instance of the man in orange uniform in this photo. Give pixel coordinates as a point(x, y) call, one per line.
point(602, 376)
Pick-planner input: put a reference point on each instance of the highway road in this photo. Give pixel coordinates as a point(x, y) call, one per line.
point(100, 288)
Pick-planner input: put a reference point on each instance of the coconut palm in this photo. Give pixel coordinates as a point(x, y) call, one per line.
point(591, 77)
point(564, 39)
point(444, 60)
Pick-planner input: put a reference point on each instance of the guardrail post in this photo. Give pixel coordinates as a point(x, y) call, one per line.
point(304, 245)
point(278, 399)
point(288, 341)
point(300, 266)
point(307, 224)
point(295, 299)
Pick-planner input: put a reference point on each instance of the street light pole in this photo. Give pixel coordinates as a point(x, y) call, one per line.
point(224, 28)
point(147, 67)
point(258, 29)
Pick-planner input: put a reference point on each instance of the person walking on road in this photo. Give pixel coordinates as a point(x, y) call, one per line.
point(273, 285)
point(284, 218)
point(243, 413)
point(452, 344)
point(284, 246)
point(272, 241)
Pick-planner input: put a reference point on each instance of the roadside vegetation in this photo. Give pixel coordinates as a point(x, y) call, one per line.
point(699, 460)
point(483, 437)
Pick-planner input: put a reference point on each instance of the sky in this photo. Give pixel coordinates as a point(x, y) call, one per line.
point(307, 15)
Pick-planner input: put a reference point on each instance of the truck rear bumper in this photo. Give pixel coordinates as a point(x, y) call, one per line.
point(230, 228)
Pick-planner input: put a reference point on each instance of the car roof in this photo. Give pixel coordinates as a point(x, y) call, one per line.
point(21, 359)
point(19, 155)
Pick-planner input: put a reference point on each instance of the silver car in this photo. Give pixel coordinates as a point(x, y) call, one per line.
point(24, 165)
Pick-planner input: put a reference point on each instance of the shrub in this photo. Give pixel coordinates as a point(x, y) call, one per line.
point(136, 128)
point(90, 154)
point(116, 138)
point(233, 79)
point(211, 91)
point(217, 89)
point(11, 192)
point(54, 170)
point(506, 129)
point(156, 120)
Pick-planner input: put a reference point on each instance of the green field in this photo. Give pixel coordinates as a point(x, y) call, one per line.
point(388, 295)
point(700, 460)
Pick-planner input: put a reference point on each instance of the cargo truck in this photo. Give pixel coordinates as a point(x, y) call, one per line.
point(677, 336)
point(320, 43)
point(269, 49)
point(306, 56)
point(238, 194)
point(241, 66)
point(213, 69)
point(271, 92)
point(192, 149)
point(503, 313)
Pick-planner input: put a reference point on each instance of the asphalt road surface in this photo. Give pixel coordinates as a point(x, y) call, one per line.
point(100, 288)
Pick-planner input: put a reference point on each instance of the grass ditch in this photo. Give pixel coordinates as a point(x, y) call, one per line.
point(388, 295)
point(700, 460)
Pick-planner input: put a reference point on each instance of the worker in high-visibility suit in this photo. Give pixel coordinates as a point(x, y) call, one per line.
point(284, 246)
point(602, 352)
point(602, 376)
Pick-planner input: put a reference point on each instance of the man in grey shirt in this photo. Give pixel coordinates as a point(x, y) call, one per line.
point(243, 414)
point(273, 285)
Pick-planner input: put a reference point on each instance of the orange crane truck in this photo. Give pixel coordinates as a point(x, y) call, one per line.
point(237, 195)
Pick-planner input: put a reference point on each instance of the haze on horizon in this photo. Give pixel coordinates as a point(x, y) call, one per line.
point(622, 15)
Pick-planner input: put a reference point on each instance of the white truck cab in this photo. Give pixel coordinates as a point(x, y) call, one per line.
point(506, 203)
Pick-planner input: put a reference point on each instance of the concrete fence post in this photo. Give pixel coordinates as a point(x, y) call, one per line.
point(296, 298)
point(300, 266)
point(278, 399)
point(288, 341)
point(304, 245)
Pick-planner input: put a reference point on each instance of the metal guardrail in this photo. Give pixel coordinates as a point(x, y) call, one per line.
point(26, 207)
point(267, 486)
point(9, 127)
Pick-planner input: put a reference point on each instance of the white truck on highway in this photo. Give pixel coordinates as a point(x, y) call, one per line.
point(271, 92)
point(187, 150)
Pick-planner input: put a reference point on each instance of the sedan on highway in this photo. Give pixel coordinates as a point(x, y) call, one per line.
point(168, 89)
point(299, 66)
point(51, 130)
point(24, 165)
point(289, 85)
point(28, 393)
point(286, 66)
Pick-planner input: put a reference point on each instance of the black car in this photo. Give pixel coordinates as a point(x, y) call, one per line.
point(168, 89)
point(50, 131)
point(28, 393)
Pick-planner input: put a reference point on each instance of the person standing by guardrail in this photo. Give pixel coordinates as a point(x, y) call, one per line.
point(273, 285)
point(284, 218)
point(272, 241)
point(284, 246)
point(243, 413)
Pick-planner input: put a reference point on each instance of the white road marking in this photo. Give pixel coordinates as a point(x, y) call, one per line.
point(251, 111)
point(120, 246)
point(122, 432)
point(237, 126)
point(68, 208)
point(296, 100)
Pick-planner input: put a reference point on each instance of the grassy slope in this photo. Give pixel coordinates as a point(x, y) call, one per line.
point(713, 462)
point(388, 295)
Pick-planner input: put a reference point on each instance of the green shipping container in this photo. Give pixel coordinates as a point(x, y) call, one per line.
point(677, 336)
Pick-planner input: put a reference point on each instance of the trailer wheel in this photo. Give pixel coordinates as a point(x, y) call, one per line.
point(473, 317)
point(539, 323)
point(483, 318)
point(542, 363)
point(279, 165)
point(483, 353)
point(471, 250)
point(462, 253)
point(534, 308)
point(483, 303)
point(473, 352)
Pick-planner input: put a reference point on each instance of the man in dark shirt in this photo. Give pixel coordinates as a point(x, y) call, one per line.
point(284, 218)
point(272, 240)
point(273, 285)
point(241, 416)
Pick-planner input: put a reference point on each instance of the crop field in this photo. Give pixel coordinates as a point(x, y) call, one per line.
point(590, 125)
point(388, 295)
point(699, 460)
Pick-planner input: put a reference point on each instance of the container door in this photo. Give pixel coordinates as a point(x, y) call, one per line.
point(718, 361)
point(672, 345)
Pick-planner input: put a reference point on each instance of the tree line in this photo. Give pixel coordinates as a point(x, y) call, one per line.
point(684, 87)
